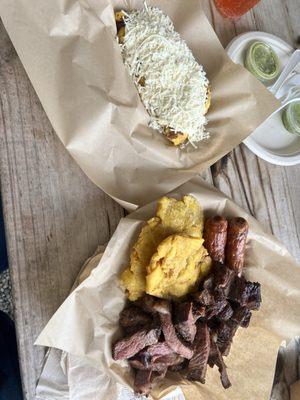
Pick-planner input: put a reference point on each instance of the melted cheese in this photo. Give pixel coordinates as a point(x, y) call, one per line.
point(175, 85)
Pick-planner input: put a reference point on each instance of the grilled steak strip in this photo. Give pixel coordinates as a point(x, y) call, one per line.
point(215, 358)
point(185, 321)
point(142, 381)
point(242, 316)
point(226, 332)
point(163, 308)
point(131, 345)
point(158, 350)
point(160, 365)
point(198, 364)
point(133, 319)
point(223, 277)
point(157, 357)
point(172, 339)
point(226, 313)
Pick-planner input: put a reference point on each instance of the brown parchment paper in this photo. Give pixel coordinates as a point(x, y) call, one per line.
point(87, 322)
point(70, 53)
point(295, 391)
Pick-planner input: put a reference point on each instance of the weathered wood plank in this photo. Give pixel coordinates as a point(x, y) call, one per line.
point(54, 216)
point(268, 192)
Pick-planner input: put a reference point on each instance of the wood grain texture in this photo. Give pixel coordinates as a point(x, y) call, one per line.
point(54, 216)
point(270, 193)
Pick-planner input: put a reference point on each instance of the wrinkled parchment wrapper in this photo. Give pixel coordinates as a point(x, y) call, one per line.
point(87, 323)
point(69, 50)
point(295, 391)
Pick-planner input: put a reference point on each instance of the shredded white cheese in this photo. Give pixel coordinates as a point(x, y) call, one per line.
point(175, 85)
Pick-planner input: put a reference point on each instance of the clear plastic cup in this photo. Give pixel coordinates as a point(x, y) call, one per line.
point(235, 8)
point(291, 117)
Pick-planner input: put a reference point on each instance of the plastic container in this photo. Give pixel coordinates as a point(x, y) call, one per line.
point(235, 8)
point(271, 141)
point(291, 118)
point(262, 61)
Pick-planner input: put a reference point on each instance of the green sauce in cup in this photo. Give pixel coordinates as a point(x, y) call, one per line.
point(291, 117)
point(262, 61)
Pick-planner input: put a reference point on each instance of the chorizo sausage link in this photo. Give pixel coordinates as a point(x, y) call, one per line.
point(215, 235)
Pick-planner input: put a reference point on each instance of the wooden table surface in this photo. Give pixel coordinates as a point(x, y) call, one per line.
point(55, 217)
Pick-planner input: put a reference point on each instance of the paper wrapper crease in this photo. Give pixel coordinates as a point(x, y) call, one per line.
point(87, 322)
point(71, 55)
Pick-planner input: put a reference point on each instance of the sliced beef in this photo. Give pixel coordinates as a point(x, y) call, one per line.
point(198, 311)
point(215, 358)
point(188, 336)
point(179, 367)
point(198, 364)
point(226, 313)
point(136, 362)
point(253, 295)
point(131, 345)
point(158, 350)
point(185, 321)
point(154, 305)
point(159, 375)
point(226, 333)
point(205, 297)
point(172, 339)
point(132, 319)
point(238, 293)
point(208, 283)
point(223, 277)
point(164, 308)
point(170, 359)
point(159, 364)
point(242, 316)
point(142, 381)
point(245, 293)
point(216, 308)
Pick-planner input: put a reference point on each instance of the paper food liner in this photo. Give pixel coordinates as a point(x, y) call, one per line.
point(87, 322)
point(69, 377)
point(70, 52)
point(295, 391)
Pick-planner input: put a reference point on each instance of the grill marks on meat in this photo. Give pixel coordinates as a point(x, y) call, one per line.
point(158, 350)
point(130, 345)
point(188, 336)
point(228, 300)
point(226, 332)
point(242, 316)
point(198, 364)
point(245, 293)
point(133, 319)
point(226, 313)
point(164, 308)
point(172, 339)
point(215, 358)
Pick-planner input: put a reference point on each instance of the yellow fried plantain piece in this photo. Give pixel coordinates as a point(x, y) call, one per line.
point(175, 269)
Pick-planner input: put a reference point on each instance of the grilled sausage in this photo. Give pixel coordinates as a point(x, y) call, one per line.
point(215, 235)
point(236, 244)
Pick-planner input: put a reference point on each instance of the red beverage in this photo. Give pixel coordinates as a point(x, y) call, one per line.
point(235, 8)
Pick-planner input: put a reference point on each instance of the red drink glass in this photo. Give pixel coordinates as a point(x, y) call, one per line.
point(235, 8)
